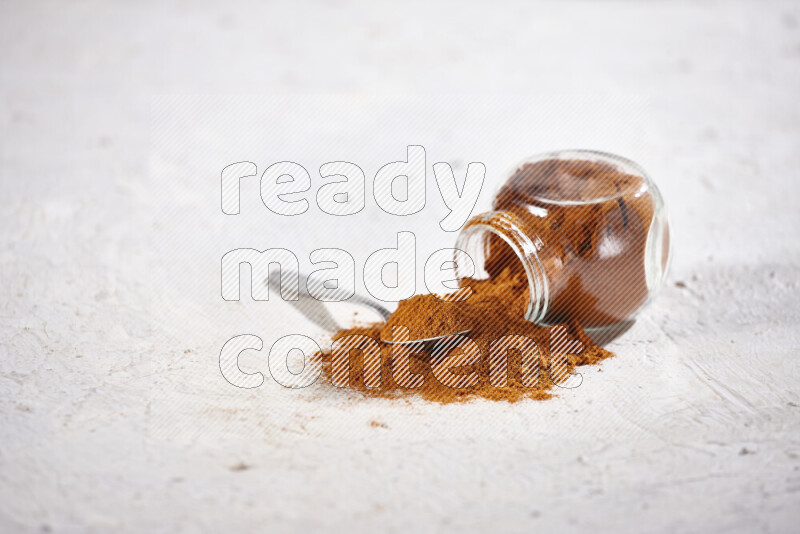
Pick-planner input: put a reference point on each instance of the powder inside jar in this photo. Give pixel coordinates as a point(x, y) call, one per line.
point(592, 222)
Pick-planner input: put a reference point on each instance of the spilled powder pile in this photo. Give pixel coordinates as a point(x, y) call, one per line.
point(496, 308)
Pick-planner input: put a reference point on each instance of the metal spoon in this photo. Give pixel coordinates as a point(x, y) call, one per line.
point(426, 344)
point(315, 313)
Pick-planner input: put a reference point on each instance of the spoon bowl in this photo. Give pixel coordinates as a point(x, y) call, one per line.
point(427, 344)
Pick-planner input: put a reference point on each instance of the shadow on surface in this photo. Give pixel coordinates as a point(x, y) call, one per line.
point(604, 336)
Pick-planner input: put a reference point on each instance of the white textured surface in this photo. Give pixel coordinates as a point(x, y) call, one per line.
point(108, 423)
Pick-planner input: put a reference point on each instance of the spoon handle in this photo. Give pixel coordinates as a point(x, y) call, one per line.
point(274, 283)
point(370, 303)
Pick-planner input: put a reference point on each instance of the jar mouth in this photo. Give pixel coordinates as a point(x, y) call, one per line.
point(474, 241)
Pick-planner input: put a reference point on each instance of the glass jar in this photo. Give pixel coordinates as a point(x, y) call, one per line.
point(588, 228)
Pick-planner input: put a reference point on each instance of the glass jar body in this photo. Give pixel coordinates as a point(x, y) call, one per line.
point(589, 229)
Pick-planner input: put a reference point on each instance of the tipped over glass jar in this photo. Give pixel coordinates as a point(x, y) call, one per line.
point(588, 228)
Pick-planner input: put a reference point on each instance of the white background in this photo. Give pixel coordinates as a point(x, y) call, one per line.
point(114, 414)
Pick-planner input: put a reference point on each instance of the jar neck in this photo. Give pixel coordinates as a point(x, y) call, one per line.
point(474, 239)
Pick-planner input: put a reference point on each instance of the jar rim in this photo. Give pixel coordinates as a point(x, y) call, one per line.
point(507, 227)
